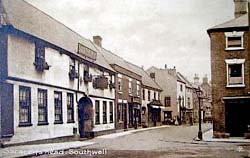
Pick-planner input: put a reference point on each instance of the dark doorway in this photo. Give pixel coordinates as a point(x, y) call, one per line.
point(85, 117)
point(237, 117)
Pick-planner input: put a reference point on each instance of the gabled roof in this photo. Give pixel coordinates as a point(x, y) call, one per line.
point(184, 79)
point(146, 79)
point(27, 18)
point(239, 22)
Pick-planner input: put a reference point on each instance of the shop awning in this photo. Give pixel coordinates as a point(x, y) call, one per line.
point(157, 107)
point(156, 104)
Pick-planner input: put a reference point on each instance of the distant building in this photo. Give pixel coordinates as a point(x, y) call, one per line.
point(128, 90)
point(230, 62)
point(152, 109)
point(167, 80)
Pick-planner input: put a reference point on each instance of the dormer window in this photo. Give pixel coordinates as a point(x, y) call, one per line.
point(235, 72)
point(40, 62)
point(234, 40)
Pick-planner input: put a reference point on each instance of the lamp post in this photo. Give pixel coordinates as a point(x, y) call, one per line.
point(180, 108)
point(199, 93)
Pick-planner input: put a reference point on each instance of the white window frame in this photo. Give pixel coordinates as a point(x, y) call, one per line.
point(130, 86)
point(234, 34)
point(138, 88)
point(236, 61)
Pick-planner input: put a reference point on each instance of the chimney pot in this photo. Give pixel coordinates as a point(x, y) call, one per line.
point(97, 40)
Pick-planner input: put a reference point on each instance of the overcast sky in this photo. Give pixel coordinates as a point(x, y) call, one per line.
point(147, 32)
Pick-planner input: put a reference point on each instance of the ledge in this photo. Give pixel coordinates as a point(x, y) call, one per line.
point(25, 124)
point(236, 86)
point(235, 48)
point(42, 123)
point(58, 122)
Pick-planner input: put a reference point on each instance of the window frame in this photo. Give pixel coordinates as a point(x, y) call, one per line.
point(233, 62)
point(149, 95)
point(60, 107)
point(130, 86)
point(104, 112)
point(70, 108)
point(111, 112)
point(27, 101)
point(44, 93)
point(97, 112)
point(234, 34)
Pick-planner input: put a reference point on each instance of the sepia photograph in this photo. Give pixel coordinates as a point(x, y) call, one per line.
point(124, 78)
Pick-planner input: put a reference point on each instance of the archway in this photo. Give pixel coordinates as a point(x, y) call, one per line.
point(85, 113)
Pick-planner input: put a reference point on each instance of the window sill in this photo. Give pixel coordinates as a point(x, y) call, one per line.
point(71, 121)
point(42, 123)
point(234, 48)
point(119, 92)
point(236, 86)
point(58, 122)
point(25, 124)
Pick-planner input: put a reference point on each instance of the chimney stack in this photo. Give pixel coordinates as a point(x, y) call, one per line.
point(97, 40)
point(241, 7)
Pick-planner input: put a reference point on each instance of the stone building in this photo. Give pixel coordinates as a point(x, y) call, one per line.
point(207, 99)
point(230, 60)
point(167, 80)
point(128, 90)
point(153, 112)
point(54, 83)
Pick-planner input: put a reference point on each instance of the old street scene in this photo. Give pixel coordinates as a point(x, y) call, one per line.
point(124, 78)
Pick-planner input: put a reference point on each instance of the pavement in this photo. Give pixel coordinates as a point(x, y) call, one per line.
point(56, 148)
point(208, 137)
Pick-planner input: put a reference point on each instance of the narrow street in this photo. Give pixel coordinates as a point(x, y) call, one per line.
point(174, 141)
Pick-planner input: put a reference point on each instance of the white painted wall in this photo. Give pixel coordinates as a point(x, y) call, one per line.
point(38, 132)
point(181, 93)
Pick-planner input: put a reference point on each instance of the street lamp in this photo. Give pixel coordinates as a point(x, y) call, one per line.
point(180, 108)
point(199, 94)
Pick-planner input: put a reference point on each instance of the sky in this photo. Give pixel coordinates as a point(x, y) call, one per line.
point(147, 32)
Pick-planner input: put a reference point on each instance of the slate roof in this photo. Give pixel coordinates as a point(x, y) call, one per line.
point(146, 79)
point(239, 22)
point(27, 18)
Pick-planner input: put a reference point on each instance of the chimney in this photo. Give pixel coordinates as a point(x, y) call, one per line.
point(241, 7)
point(97, 40)
point(196, 80)
point(205, 80)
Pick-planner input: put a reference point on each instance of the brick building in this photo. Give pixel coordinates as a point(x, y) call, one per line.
point(153, 111)
point(230, 60)
point(128, 90)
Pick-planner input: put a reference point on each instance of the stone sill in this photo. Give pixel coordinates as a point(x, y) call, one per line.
point(236, 86)
point(235, 48)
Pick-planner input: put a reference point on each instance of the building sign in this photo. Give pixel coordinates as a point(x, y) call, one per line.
point(86, 52)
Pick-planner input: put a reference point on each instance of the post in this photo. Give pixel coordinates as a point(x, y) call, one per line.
point(200, 131)
point(180, 109)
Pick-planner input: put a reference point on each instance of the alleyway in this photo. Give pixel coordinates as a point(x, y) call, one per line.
point(174, 141)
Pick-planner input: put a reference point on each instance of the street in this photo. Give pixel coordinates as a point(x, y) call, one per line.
point(173, 141)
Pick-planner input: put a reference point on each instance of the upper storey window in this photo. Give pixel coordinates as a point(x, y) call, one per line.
point(235, 72)
point(234, 40)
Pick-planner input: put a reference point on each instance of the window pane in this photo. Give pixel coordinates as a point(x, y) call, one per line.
point(58, 106)
point(24, 105)
point(42, 105)
point(97, 112)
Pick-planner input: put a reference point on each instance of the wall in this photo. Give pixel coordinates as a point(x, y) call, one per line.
point(219, 76)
